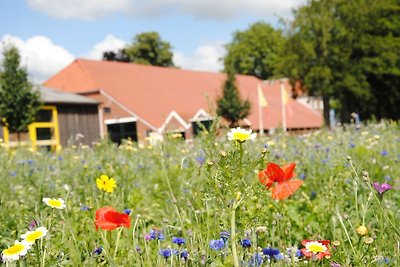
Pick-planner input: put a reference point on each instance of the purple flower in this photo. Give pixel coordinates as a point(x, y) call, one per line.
point(382, 188)
point(127, 211)
point(384, 153)
point(246, 243)
point(335, 264)
point(217, 244)
point(178, 240)
point(32, 225)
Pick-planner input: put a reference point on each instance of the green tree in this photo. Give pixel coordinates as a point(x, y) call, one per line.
point(18, 103)
point(230, 106)
point(255, 50)
point(147, 48)
point(347, 51)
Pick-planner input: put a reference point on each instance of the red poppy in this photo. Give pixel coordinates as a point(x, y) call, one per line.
point(107, 218)
point(316, 249)
point(275, 174)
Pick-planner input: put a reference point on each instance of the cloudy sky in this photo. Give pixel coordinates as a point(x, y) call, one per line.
point(50, 34)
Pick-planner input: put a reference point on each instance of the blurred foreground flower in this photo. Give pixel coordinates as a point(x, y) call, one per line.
point(31, 236)
point(106, 184)
point(55, 203)
point(315, 249)
point(12, 253)
point(107, 218)
point(241, 135)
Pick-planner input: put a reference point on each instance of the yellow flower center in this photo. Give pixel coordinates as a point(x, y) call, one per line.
point(316, 247)
point(55, 203)
point(33, 236)
point(241, 136)
point(16, 249)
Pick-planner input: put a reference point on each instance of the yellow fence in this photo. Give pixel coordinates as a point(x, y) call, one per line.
point(50, 124)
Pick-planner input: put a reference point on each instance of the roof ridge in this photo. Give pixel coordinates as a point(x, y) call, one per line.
point(165, 68)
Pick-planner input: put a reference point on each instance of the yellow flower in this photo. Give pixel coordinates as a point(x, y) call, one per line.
point(31, 236)
point(106, 184)
point(55, 203)
point(362, 230)
point(18, 249)
point(241, 135)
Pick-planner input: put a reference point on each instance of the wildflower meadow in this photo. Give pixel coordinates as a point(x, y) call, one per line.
point(321, 198)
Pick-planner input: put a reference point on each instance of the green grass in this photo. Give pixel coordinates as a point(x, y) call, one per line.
point(167, 188)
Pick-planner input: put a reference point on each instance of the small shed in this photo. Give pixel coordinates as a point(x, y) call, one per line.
point(64, 119)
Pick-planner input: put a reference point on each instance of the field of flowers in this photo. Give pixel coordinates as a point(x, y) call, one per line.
point(326, 198)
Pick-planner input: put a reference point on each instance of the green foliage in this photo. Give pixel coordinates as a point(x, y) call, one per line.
point(18, 103)
point(229, 105)
point(254, 51)
point(147, 48)
point(347, 51)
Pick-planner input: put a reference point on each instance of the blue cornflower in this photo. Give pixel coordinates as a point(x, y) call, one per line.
point(256, 260)
point(273, 253)
point(384, 153)
point(200, 160)
point(85, 208)
point(297, 254)
point(224, 235)
point(352, 145)
point(13, 173)
point(178, 240)
point(184, 255)
point(217, 244)
point(127, 211)
point(167, 252)
point(302, 176)
point(246, 243)
point(155, 235)
point(97, 251)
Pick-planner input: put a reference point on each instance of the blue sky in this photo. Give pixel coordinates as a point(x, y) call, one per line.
point(52, 33)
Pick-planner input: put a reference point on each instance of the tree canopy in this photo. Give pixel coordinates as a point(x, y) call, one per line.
point(147, 48)
point(254, 51)
point(347, 52)
point(18, 103)
point(229, 105)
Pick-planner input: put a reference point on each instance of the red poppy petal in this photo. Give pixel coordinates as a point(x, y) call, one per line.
point(325, 242)
point(289, 171)
point(102, 211)
point(105, 225)
point(274, 172)
point(285, 189)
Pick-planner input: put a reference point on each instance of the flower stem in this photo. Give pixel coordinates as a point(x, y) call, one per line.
point(233, 236)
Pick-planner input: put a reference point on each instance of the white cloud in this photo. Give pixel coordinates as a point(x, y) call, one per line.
point(110, 43)
point(80, 9)
point(200, 9)
point(39, 55)
point(206, 57)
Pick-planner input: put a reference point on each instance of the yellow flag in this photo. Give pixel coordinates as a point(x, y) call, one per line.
point(262, 101)
point(285, 95)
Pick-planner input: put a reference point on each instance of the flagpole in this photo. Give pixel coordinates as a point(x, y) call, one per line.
point(283, 109)
point(260, 117)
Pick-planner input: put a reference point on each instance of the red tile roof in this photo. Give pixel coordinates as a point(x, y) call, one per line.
point(153, 92)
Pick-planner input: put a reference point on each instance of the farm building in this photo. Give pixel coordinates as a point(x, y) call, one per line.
point(137, 101)
point(65, 118)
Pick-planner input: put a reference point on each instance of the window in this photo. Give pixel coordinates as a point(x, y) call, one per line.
point(199, 126)
point(119, 131)
point(107, 110)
